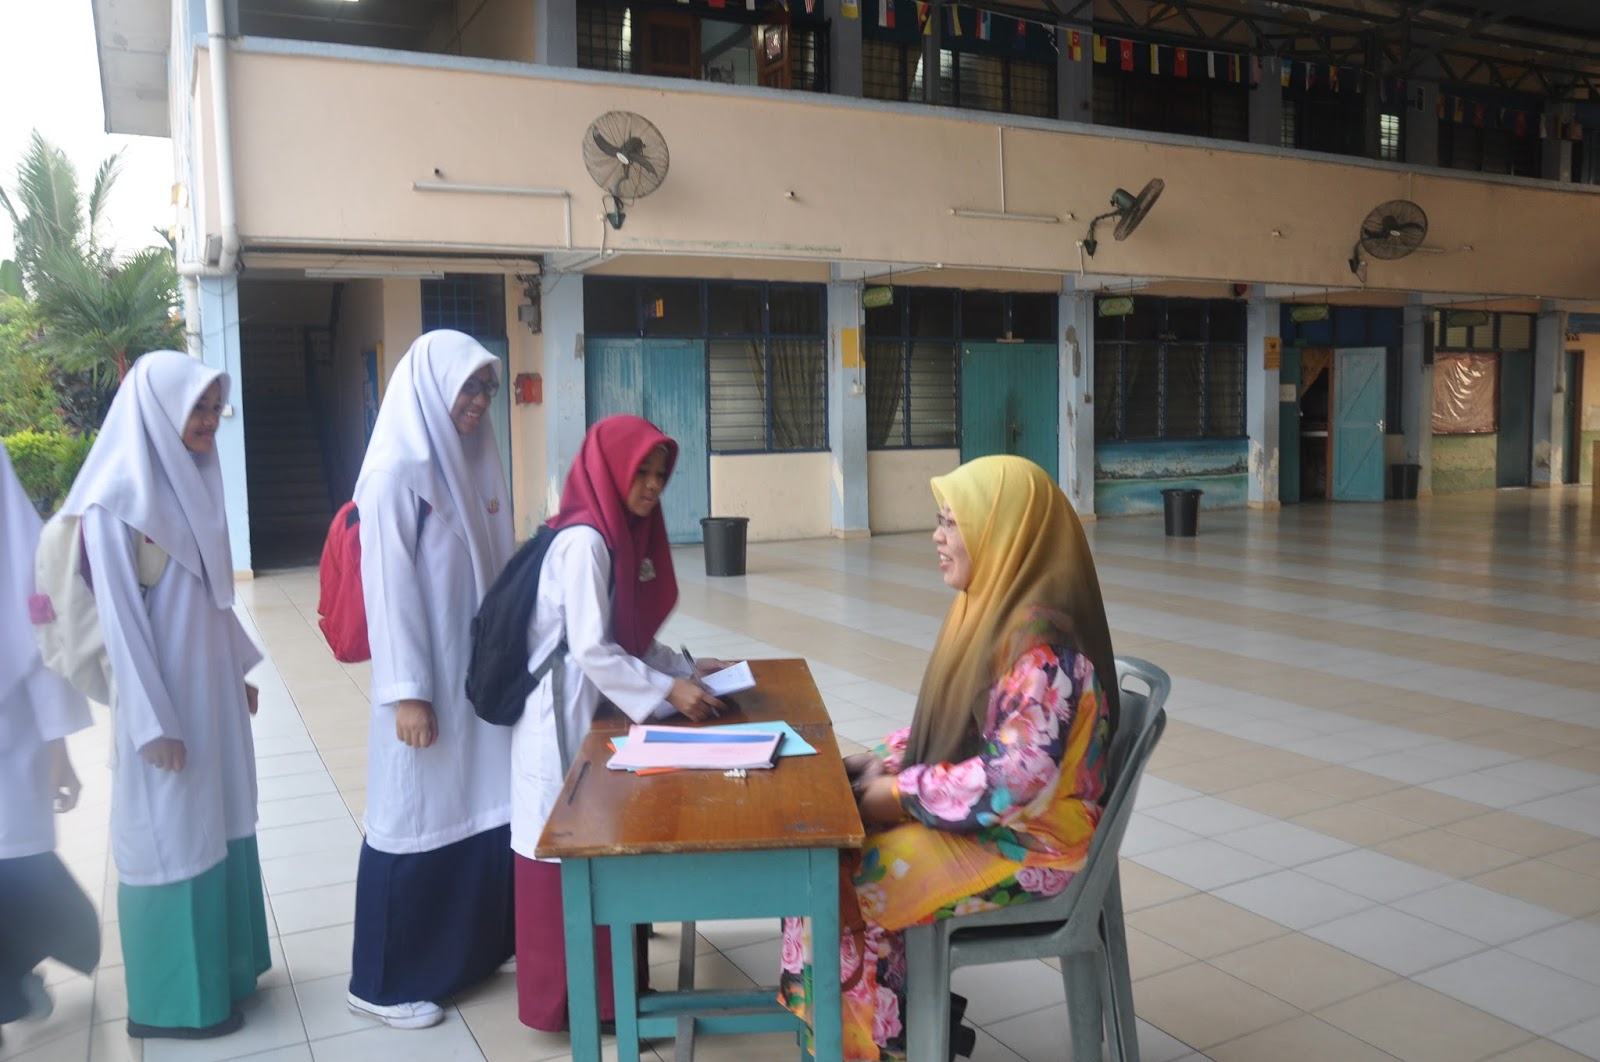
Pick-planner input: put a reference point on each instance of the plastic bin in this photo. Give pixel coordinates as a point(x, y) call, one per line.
point(724, 539)
point(1183, 510)
point(1403, 481)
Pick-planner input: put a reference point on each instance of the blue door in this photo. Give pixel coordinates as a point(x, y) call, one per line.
point(1358, 406)
point(664, 381)
point(1009, 403)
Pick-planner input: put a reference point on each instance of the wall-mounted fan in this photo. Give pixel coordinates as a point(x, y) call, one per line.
point(1129, 210)
point(627, 157)
point(1392, 230)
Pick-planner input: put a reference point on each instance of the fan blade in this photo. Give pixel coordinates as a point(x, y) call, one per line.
point(609, 149)
point(644, 164)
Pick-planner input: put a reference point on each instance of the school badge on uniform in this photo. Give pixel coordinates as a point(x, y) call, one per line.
point(647, 570)
point(494, 506)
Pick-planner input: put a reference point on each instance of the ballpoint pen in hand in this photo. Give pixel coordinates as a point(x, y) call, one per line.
point(694, 673)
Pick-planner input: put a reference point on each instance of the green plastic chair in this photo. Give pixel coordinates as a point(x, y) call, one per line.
point(1083, 926)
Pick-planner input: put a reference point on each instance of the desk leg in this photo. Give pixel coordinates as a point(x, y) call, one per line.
point(827, 1014)
point(685, 1043)
point(625, 986)
point(583, 1003)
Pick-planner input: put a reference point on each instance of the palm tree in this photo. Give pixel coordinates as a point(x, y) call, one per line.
point(98, 319)
point(49, 212)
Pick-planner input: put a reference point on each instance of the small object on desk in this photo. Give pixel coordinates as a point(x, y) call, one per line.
point(737, 773)
point(791, 745)
point(669, 746)
point(735, 679)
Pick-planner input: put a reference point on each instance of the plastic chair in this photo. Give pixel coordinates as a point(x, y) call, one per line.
point(1083, 926)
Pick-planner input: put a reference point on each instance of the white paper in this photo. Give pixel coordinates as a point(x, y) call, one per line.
point(733, 679)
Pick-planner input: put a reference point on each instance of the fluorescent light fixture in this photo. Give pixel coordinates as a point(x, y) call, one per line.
point(1005, 215)
point(371, 273)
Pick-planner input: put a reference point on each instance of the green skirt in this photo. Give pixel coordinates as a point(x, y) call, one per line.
point(195, 948)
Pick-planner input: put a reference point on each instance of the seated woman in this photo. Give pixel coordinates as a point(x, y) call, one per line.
point(992, 795)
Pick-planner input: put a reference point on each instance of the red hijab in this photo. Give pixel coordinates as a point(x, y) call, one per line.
point(645, 591)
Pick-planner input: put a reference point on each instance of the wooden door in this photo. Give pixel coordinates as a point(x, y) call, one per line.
point(671, 45)
point(773, 68)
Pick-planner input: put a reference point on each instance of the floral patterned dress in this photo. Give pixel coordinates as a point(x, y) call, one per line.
point(1009, 825)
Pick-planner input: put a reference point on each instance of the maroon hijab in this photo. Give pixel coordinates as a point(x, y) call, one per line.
point(645, 591)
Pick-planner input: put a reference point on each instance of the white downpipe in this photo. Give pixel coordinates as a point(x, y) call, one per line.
point(222, 147)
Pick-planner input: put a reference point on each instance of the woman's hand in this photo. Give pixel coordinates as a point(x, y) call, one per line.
point(168, 754)
point(64, 784)
point(879, 801)
point(252, 698)
point(692, 699)
point(709, 665)
point(415, 724)
point(862, 768)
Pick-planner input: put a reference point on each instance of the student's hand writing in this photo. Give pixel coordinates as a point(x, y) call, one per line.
point(252, 698)
point(879, 801)
point(709, 665)
point(64, 784)
point(692, 700)
point(166, 753)
point(415, 724)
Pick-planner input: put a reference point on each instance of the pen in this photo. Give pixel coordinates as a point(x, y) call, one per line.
point(694, 671)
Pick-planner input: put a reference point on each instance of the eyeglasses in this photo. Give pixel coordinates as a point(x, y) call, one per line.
point(475, 387)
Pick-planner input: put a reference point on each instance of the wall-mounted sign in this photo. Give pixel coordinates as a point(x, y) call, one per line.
point(876, 298)
point(1119, 306)
point(1466, 318)
point(1311, 311)
point(1272, 358)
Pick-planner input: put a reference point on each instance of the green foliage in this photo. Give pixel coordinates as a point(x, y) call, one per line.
point(48, 212)
point(98, 319)
point(28, 395)
point(10, 279)
point(47, 462)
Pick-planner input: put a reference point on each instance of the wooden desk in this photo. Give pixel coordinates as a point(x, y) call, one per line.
point(693, 845)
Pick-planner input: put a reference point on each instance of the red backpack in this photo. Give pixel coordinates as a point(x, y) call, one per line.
point(342, 605)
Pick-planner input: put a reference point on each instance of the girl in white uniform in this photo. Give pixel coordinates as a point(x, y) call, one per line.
point(44, 913)
point(183, 810)
point(433, 890)
point(606, 587)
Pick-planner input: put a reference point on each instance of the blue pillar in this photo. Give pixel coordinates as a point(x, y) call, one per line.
point(555, 33)
point(844, 50)
point(565, 403)
point(1549, 427)
point(1416, 389)
point(219, 349)
point(1261, 401)
point(847, 410)
point(1075, 428)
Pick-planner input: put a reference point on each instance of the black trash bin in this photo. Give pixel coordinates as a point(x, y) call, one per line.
point(1183, 510)
point(1403, 481)
point(724, 541)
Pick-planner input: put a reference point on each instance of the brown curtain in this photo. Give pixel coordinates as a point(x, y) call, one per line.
point(1465, 394)
point(1314, 361)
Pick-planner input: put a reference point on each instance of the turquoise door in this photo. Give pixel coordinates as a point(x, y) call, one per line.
point(1358, 404)
point(664, 381)
point(1514, 448)
point(1009, 403)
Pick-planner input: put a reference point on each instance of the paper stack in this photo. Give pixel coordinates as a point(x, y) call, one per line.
point(655, 747)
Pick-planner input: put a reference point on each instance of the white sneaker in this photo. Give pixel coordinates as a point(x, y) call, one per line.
point(401, 1015)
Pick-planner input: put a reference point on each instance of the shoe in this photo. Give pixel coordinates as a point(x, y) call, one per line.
point(230, 1024)
point(40, 1005)
point(963, 1040)
point(401, 1015)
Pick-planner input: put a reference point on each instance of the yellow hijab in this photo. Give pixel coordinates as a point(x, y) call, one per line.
point(1033, 582)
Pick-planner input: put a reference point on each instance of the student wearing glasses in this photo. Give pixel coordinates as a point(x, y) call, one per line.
point(434, 885)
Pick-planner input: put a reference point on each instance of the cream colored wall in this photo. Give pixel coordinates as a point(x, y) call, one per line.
point(707, 268)
point(527, 422)
point(402, 321)
point(785, 495)
point(395, 124)
point(898, 496)
point(360, 330)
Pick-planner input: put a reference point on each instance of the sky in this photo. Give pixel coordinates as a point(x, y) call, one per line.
point(50, 81)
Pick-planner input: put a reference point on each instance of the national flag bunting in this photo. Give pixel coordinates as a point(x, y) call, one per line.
point(983, 25)
point(1211, 65)
point(1180, 62)
point(886, 14)
point(1075, 46)
point(1127, 55)
point(1285, 72)
point(1333, 78)
point(1099, 48)
point(1155, 59)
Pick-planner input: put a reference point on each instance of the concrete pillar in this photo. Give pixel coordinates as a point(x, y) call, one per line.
point(1556, 162)
point(1261, 401)
point(555, 33)
point(1420, 128)
point(1075, 79)
point(1076, 398)
point(219, 349)
point(931, 45)
point(565, 410)
point(1266, 106)
point(1416, 385)
point(1549, 427)
point(844, 50)
point(847, 410)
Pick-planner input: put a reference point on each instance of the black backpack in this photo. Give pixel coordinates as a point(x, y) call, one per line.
point(498, 679)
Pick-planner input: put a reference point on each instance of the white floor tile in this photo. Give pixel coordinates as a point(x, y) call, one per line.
point(1284, 843)
point(318, 953)
point(310, 870)
point(325, 1008)
point(1517, 990)
point(1480, 913)
point(296, 810)
point(1573, 948)
point(1395, 940)
point(1292, 899)
point(761, 961)
point(271, 1020)
point(1207, 816)
point(327, 836)
point(1205, 864)
point(1374, 875)
point(1583, 1038)
point(329, 905)
point(1006, 989)
point(1151, 835)
point(449, 1041)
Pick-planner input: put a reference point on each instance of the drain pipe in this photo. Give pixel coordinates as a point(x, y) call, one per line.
point(222, 137)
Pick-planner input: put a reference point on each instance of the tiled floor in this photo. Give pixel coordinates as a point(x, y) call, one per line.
point(1372, 831)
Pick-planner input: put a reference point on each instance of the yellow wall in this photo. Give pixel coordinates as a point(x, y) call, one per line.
point(898, 495)
point(785, 495)
point(1588, 403)
point(1217, 219)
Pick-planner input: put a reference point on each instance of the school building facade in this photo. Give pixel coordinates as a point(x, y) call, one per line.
point(852, 276)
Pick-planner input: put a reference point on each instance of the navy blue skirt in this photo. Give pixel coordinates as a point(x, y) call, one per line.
point(430, 924)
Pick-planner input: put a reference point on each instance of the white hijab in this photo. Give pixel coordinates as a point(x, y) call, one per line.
point(415, 444)
point(140, 472)
point(19, 655)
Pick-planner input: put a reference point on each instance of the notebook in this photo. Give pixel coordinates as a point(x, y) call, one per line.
point(791, 745)
point(650, 747)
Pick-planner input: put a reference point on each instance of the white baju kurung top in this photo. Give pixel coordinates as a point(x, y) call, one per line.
point(179, 662)
point(420, 601)
point(37, 710)
point(575, 601)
